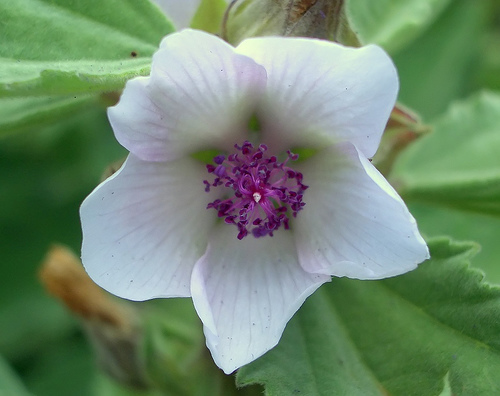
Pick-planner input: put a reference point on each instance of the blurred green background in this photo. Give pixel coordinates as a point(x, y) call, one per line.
point(46, 172)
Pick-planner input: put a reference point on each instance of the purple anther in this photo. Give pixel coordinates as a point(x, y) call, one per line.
point(262, 193)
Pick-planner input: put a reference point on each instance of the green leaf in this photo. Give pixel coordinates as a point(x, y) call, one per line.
point(489, 75)
point(104, 386)
point(209, 15)
point(71, 46)
point(464, 225)
point(21, 335)
point(441, 65)
point(314, 357)
point(62, 368)
point(10, 384)
point(68, 77)
point(447, 387)
point(457, 165)
point(18, 114)
point(177, 360)
point(45, 176)
point(399, 336)
point(392, 23)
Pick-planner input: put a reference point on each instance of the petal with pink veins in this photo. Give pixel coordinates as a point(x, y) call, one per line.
point(246, 291)
point(319, 92)
point(200, 95)
point(354, 223)
point(145, 227)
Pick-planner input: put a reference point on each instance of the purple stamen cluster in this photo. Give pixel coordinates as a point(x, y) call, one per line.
point(264, 191)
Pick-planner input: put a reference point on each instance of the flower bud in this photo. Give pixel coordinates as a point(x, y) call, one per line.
point(403, 128)
point(324, 19)
point(112, 327)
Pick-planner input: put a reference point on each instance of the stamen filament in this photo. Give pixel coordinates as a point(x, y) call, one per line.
point(259, 203)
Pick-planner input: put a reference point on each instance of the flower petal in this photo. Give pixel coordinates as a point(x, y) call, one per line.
point(180, 13)
point(354, 224)
point(246, 291)
point(319, 92)
point(145, 227)
point(200, 95)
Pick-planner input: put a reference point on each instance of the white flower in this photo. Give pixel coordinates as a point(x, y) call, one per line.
point(148, 232)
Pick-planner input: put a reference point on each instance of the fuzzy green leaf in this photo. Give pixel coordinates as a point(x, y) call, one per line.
point(71, 46)
point(439, 220)
point(314, 357)
point(457, 165)
point(19, 114)
point(427, 83)
point(392, 23)
point(422, 333)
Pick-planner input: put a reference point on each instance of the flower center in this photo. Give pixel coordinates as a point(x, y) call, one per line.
point(262, 191)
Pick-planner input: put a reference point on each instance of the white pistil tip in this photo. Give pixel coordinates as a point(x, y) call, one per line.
point(256, 197)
